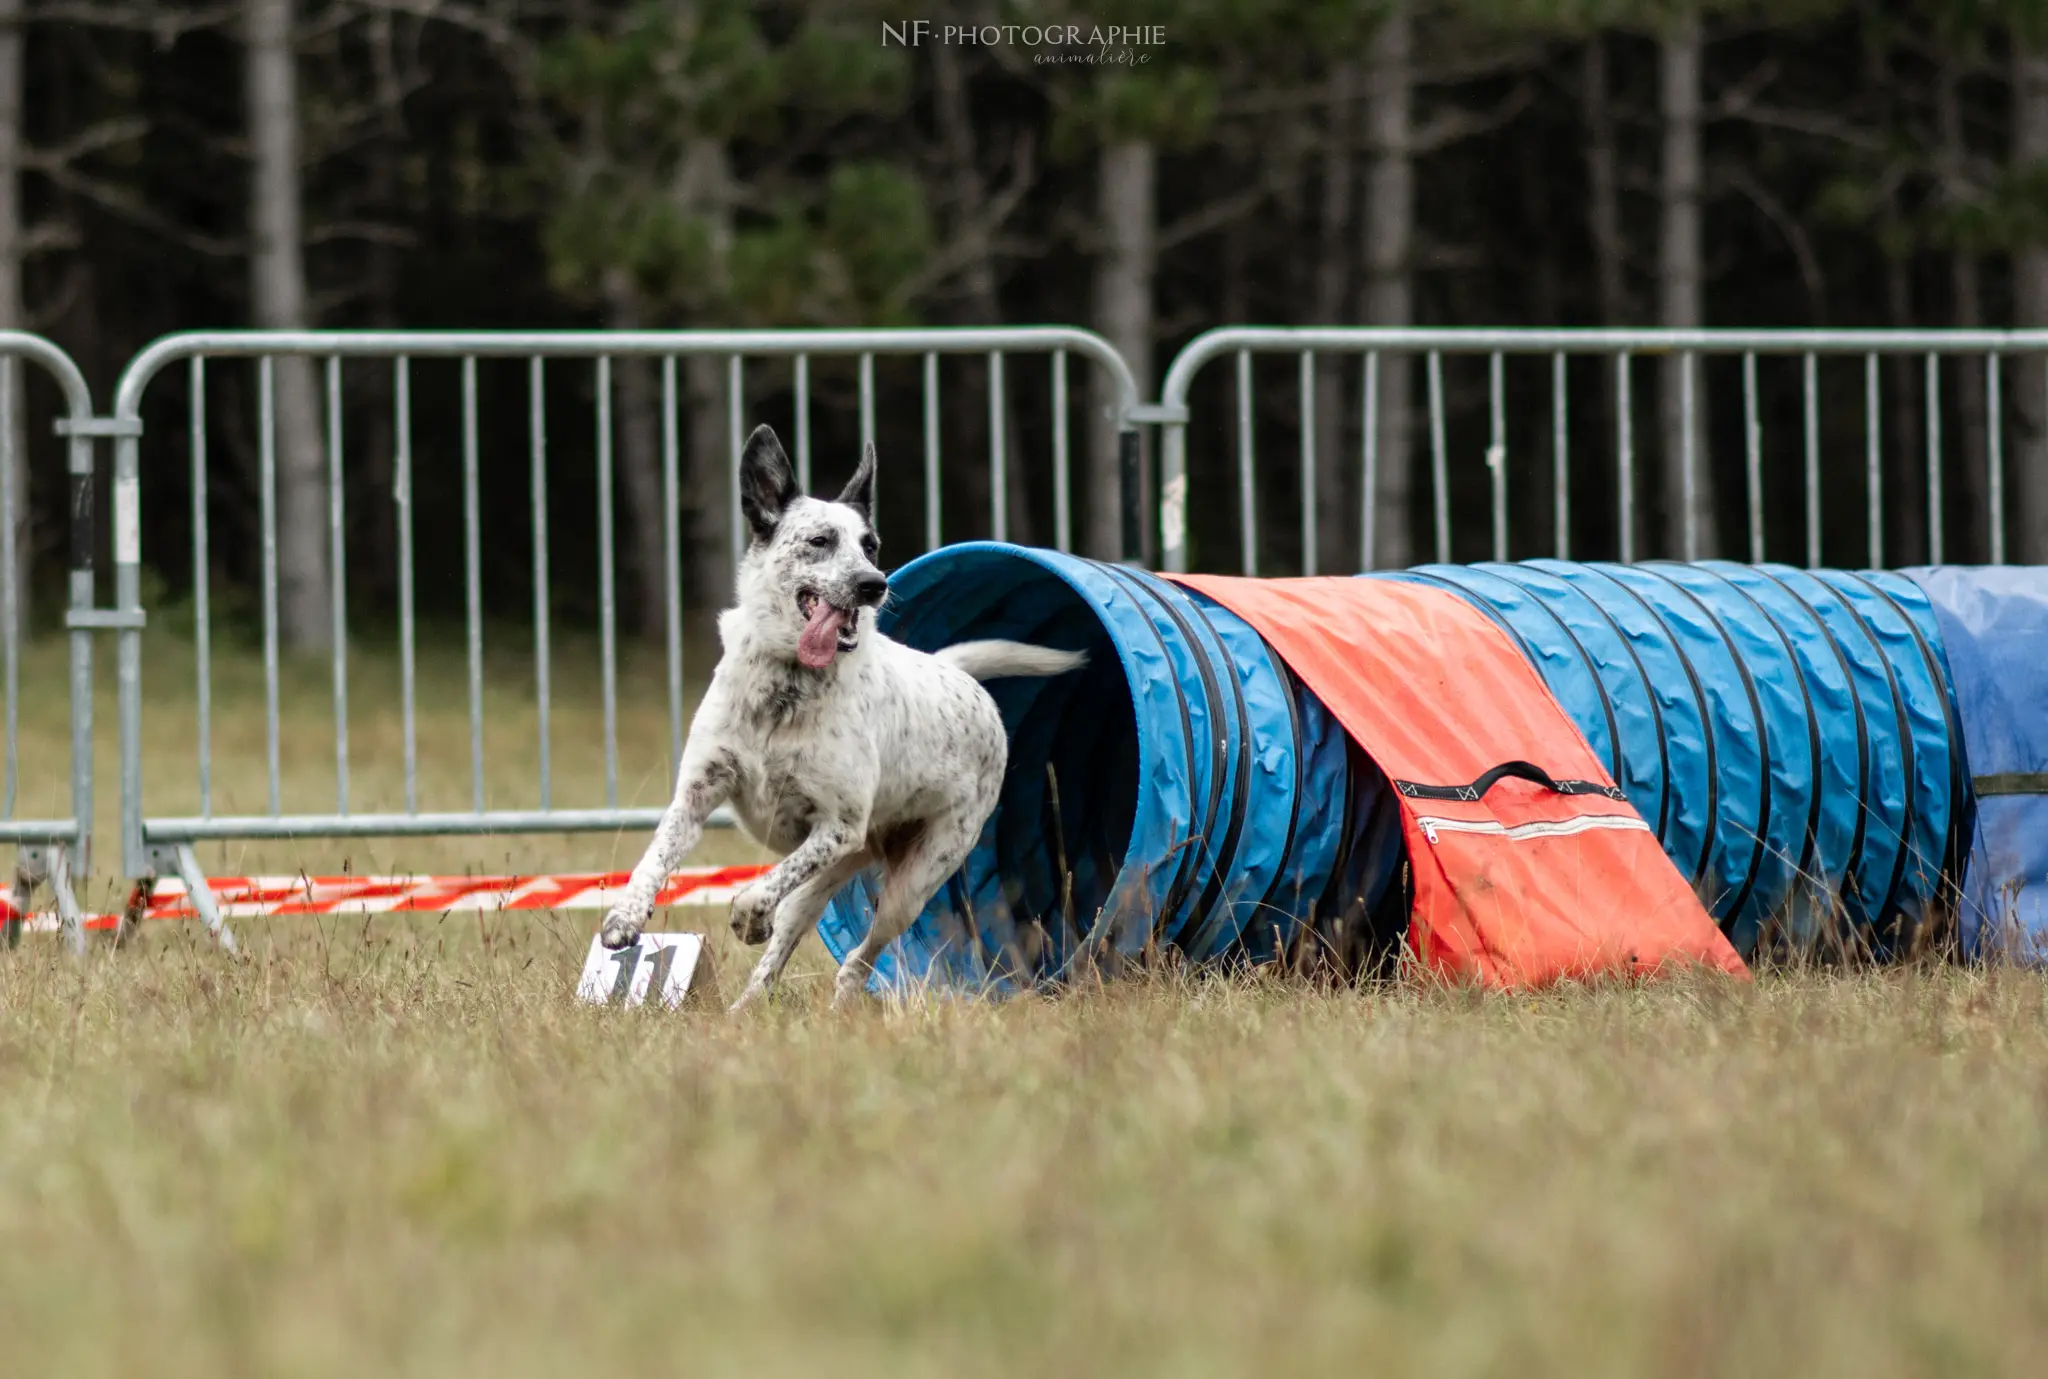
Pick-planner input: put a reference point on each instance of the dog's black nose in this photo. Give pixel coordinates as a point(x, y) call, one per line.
point(871, 589)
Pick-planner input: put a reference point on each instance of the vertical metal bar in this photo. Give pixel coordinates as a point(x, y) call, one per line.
point(1062, 472)
point(402, 496)
point(10, 601)
point(202, 581)
point(672, 558)
point(735, 441)
point(607, 591)
point(803, 422)
point(1811, 385)
point(1688, 445)
point(1173, 495)
point(1308, 462)
point(1439, 461)
point(472, 582)
point(128, 663)
point(1873, 460)
point(1560, 459)
point(127, 599)
point(998, 452)
point(1753, 467)
point(931, 452)
point(1369, 500)
point(266, 427)
point(1625, 458)
point(1497, 453)
point(1934, 513)
point(537, 489)
point(867, 419)
point(1247, 499)
point(1994, 451)
point(337, 557)
point(1130, 478)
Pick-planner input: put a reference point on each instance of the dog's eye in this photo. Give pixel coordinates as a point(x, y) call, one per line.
point(869, 546)
point(822, 541)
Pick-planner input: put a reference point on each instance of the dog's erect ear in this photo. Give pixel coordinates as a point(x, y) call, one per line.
point(767, 486)
point(860, 489)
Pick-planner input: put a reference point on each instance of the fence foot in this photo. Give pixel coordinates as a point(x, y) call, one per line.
point(129, 928)
point(185, 862)
point(46, 865)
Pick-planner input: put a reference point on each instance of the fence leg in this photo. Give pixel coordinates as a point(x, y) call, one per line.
point(1131, 476)
point(20, 900)
point(68, 913)
point(201, 896)
point(50, 865)
point(185, 863)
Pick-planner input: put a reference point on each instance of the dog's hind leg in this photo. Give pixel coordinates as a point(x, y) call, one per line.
point(703, 783)
point(798, 890)
point(915, 875)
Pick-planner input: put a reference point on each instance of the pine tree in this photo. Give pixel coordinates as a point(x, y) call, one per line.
point(675, 201)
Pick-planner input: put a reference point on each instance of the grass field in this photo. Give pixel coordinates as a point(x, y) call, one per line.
point(399, 1148)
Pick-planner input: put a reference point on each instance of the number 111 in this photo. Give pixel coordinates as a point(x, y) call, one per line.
point(628, 960)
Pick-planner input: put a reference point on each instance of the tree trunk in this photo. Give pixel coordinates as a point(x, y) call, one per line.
point(1679, 276)
point(13, 314)
point(379, 572)
point(637, 425)
point(1966, 302)
point(1905, 480)
point(1603, 211)
point(2030, 311)
point(1901, 511)
point(974, 233)
point(705, 190)
point(1335, 248)
point(277, 293)
point(1389, 226)
point(1126, 200)
point(710, 553)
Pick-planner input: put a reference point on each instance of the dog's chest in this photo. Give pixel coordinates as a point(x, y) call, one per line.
point(788, 781)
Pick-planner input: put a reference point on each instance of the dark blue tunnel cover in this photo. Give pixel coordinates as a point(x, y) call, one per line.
point(1994, 624)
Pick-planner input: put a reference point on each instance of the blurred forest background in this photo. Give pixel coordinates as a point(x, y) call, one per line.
point(589, 163)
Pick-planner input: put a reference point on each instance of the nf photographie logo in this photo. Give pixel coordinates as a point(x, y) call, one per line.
point(1052, 43)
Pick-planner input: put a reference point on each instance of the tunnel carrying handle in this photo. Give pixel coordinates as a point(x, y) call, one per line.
point(1524, 770)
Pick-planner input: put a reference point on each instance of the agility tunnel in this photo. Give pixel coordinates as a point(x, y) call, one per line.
point(1793, 743)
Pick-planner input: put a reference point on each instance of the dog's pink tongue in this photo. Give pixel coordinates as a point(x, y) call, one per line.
point(820, 642)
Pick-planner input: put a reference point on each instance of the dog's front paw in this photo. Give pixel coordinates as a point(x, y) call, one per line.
point(620, 930)
point(850, 990)
point(753, 915)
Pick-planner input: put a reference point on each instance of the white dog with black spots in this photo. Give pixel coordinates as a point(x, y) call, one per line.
point(835, 746)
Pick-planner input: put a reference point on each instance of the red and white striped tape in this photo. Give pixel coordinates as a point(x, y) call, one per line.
point(245, 897)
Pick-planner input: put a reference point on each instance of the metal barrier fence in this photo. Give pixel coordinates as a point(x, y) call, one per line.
point(1847, 441)
point(1682, 428)
point(48, 851)
point(155, 845)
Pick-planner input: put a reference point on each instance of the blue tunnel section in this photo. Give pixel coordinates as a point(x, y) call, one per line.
point(1182, 790)
point(1789, 734)
point(1791, 737)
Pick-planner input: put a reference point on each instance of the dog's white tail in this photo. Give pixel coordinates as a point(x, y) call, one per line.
point(992, 660)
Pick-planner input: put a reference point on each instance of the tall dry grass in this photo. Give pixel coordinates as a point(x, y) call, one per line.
point(397, 1147)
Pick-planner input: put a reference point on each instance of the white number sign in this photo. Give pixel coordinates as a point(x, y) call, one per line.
point(658, 963)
